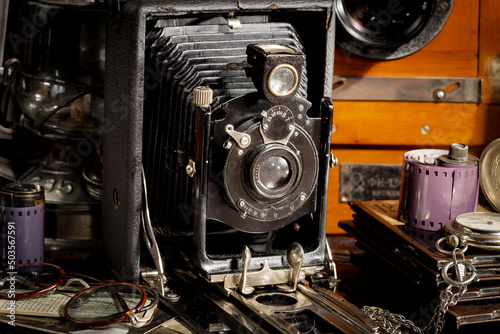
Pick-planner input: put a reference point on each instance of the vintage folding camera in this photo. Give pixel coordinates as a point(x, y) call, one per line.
point(217, 148)
point(247, 167)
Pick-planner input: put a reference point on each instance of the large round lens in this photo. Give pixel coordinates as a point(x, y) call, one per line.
point(271, 181)
point(275, 170)
point(385, 22)
point(282, 80)
point(105, 304)
point(275, 173)
point(383, 30)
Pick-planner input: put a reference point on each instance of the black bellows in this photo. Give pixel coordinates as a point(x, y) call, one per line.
point(178, 59)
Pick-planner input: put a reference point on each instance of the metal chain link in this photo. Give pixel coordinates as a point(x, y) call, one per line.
point(448, 298)
point(393, 323)
point(388, 321)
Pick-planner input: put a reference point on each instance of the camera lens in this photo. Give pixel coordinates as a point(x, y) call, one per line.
point(384, 22)
point(275, 173)
point(282, 80)
point(270, 182)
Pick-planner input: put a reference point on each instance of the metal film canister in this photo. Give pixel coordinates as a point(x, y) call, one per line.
point(438, 185)
point(22, 212)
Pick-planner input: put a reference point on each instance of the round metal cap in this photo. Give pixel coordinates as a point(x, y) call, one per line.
point(22, 189)
point(489, 173)
point(19, 195)
point(458, 154)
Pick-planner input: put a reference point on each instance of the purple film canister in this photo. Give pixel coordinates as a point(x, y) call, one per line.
point(22, 227)
point(438, 185)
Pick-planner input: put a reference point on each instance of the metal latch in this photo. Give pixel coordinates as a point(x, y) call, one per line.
point(233, 22)
point(241, 138)
point(286, 278)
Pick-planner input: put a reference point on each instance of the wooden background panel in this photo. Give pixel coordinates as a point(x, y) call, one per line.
point(400, 123)
point(489, 50)
point(381, 132)
point(452, 53)
point(341, 211)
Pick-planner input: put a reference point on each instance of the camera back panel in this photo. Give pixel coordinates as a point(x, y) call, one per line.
point(156, 57)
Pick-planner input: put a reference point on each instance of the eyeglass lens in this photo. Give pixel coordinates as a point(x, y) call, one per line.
point(105, 303)
point(27, 281)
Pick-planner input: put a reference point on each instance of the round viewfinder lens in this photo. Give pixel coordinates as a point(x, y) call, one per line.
point(283, 80)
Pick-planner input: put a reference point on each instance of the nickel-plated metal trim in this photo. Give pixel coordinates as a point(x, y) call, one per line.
point(413, 89)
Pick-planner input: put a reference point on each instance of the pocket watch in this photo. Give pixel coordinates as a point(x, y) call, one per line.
point(478, 229)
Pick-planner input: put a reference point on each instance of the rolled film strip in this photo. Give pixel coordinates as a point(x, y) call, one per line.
point(436, 187)
point(22, 224)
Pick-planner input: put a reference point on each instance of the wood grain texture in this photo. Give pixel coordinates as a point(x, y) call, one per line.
point(341, 211)
point(380, 132)
point(489, 50)
point(452, 53)
point(402, 123)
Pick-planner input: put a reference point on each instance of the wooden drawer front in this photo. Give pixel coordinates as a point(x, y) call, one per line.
point(421, 124)
point(452, 53)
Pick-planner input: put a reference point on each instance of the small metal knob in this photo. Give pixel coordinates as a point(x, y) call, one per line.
point(439, 95)
point(334, 161)
point(458, 154)
point(202, 96)
point(458, 151)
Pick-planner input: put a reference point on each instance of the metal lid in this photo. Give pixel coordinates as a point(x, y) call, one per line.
point(18, 195)
point(22, 189)
point(458, 154)
point(489, 173)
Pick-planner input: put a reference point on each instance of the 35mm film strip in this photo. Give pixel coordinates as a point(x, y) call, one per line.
point(438, 185)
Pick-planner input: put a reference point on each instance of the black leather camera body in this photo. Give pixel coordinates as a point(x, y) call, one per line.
point(247, 167)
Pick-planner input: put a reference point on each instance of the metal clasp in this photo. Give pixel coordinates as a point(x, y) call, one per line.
point(295, 256)
point(286, 279)
point(440, 94)
point(460, 270)
point(453, 242)
point(233, 22)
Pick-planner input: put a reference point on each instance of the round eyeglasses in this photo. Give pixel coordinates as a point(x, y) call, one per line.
point(93, 303)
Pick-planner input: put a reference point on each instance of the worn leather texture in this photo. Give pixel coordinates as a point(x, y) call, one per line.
point(124, 94)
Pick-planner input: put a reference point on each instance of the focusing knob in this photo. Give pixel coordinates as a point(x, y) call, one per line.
point(278, 124)
point(202, 96)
